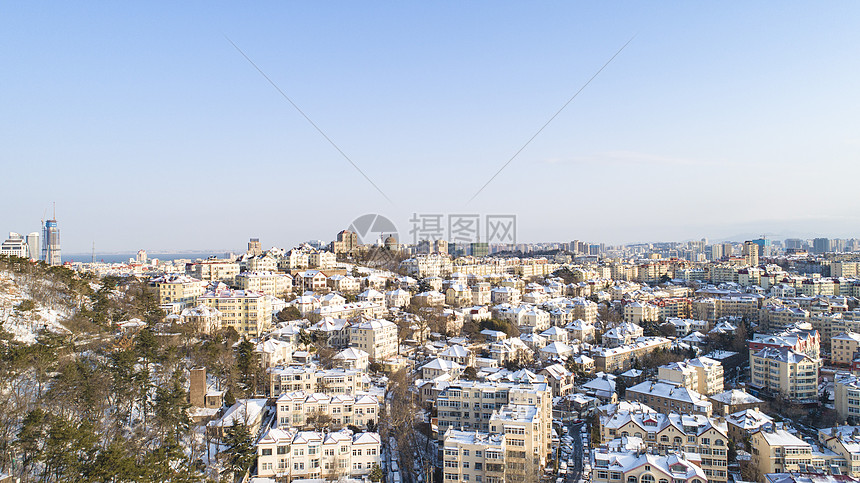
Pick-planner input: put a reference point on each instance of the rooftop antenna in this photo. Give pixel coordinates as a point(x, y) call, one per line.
point(55, 210)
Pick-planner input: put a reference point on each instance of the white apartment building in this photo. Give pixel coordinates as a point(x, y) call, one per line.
point(847, 396)
point(376, 337)
point(214, 270)
point(270, 283)
point(666, 433)
point(299, 409)
point(703, 375)
point(310, 379)
point(642, 467)
point(250, 313)
point(785, 371)
point(287, 454)
point(473, 456)
point(469, 405)
point(178, 290)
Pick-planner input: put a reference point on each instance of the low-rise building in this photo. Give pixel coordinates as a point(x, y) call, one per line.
point(621, 358)
point(776, 451)
point(302, 409)
point(844, 348)
point(270, 283)
point(287, 454)
point(847, 396)
point(743, 423)
point(702, 375)
point(559, 378)
point(668, 398)
point(642, 467)
point(733, 400)
point(844, 441)
point(667, 433)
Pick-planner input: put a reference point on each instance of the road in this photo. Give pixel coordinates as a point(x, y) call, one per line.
point(574, 472)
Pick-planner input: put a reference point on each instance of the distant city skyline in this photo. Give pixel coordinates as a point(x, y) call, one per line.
point(148, 128)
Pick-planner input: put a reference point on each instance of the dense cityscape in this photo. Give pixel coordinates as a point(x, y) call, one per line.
point(347, 361)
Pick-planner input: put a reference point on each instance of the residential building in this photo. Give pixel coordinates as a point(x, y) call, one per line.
point(845, 442)
point(180, 291)
point(287, 454)
point(213, 270)
point(468, 405)
point(844, 348)
point(301, 409)
point(527, 439)
point(847, 396)
point(668, 398)
point(785, 371)
point(702, 375)
point(559, 378)
point(621, 358)
point(203, 318)
point(732, 401)
point(623, 334)
point(248, 312)
point(310, 379)
point(473, 456)
point(376, 337)
point(639, 466)
point(744, 423)
point(270, 283)
point(674, 433)
point(351, 358)
point(776, 451)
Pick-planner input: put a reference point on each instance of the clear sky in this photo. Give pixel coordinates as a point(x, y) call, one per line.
point(150, 130)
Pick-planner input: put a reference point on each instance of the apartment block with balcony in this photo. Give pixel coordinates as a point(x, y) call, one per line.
point(674, 433)
point(376, 337)
point(473, 456)
point(703, 375)
point(844, 348)
point(286, 454)
point(248, 312)
point(301, 409)
point(313, 380)
point(778, 451)
point(179, 291)
point(669, 398)
point(785, 371)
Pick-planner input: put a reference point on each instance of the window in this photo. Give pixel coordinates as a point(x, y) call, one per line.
point(647, 478)
point(266, 452)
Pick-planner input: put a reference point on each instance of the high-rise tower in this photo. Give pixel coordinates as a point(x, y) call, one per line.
point(51, 242)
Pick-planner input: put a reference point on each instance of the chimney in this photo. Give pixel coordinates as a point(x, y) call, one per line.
point(198, 387)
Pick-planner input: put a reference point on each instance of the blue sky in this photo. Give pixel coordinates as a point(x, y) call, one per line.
point(150, 130)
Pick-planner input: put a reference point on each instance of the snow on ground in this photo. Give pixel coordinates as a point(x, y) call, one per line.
point(25, 326)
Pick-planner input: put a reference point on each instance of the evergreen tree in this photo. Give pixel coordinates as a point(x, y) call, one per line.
point(240, 448)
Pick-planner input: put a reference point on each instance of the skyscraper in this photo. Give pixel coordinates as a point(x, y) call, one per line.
point(34, 246)
point(51, 243)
